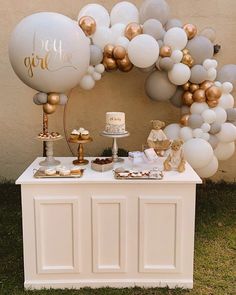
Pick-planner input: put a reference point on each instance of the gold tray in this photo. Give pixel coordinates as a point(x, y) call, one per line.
point(41, 174)
point(144, 177)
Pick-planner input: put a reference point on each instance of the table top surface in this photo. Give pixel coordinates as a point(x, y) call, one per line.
point(91, 176)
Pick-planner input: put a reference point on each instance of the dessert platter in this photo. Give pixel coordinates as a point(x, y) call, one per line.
point(102, 165)
point(59, 172)
point(154, 174)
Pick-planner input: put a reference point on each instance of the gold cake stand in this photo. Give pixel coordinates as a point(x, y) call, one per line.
point(81, 142)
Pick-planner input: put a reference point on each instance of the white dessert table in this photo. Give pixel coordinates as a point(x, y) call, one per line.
point(98, 231)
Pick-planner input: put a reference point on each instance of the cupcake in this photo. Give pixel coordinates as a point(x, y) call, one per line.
point(85, 134)
point(74, 135)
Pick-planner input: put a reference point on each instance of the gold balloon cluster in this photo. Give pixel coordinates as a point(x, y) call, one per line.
point(88, 25)
point(132, 30)
point(187, 58)
point(205, 92)
point(116, 57)
point(52, 102)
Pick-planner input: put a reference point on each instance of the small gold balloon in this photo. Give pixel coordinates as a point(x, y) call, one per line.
point(184, 120)
point(190, 30)
point(124, 64)
point(199, 95)
point(132, 30)
point(212, 103)
point(206, 84)
point(108, 50)
point(213, 93)
point(126, 69)
point(88, 25)
point(165, 51)
point(119, 52)
point(186, 86)
point(49, 108)
point(188, 60)
point(53, 98)
point(109, 63)
point(188, 98)
point(185, 51)
point(193, 88)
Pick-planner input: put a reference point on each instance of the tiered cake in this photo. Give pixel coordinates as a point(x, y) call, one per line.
point(115, 123)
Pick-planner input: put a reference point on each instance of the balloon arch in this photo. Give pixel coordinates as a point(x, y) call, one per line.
point(53, 53)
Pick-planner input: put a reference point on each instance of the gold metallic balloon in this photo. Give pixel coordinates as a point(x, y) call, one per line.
point(119, 52)
point(53, 98)
point(49, 108)
point(109, 63)
point(206, 84)
point(213, 93)
point(191, 30)
point(165, 51)
point(186, 86)
point(188, 60)
point(199, 95)
point(185, 51)
point(126, 69)
point(132, 30)
point(188, 98)
point(108, 50)
point(193, 88)
point(124, 64)
point(212, 103)
point(184, 120)
point(88, 25)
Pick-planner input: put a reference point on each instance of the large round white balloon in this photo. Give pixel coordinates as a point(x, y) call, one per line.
point(198, 152)
point(124, 12)
point(227, 133)
point(49, 52)
point(198, 107)
point(102, 37)
point(186, 133)
point(179, 74)
point(209, 170)
point(226, 101)
point(143, 51)
point(122, 41)
point(172, 131)
point(176, 38)
point(117, 31)
point(209, 116)
point(221, 115)
point(224, 151)
point(97, 12)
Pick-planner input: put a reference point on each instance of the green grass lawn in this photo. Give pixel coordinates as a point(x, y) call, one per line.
point(215, 246)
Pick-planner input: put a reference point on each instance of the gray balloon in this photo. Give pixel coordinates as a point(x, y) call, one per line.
point(198, 74)
point(148, 69)
point(154, 28)
point(96, 55)
point(166, 64)
point(176, 99)
point(209, 33)
point(215, 128)
point(173, 23)
point(213, 141)
point(158, 87)
point(227, 74)
point(195, 121)
point(35, 100)
point(200, 49)
point(231, 115)
point(63, 99)
point(157, 9)
point(41, 98)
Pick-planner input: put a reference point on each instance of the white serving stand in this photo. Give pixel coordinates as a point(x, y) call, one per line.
point(49, 161)
point(97, 231)
point(115, 157)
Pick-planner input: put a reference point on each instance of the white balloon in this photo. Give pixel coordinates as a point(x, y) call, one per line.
point(100, 68)
point(177, 56)
point(209, 116)
point(207, 64)
point(211, 74)
point(227, 133)
point(227, 87)
point(205, 136)
point(198, 107)
point(49, 52)
point(102, 37)
point(154, 28)
point(221, 115)
point(96, 76)
point(90, 70)
point(122, 41)
point(214, 63)
point(172, 131)
point(224, 151)
point(197, 133)
point(206, 127)
point(117, 31)
point(143, 51)
point(176, 38)
point(97, 12)
point(63, 99)
point(226, 101)
point(218, 84)
point(179, 74)
point(124, 12)
point(209, 170)
point(198, 152)
point(87, 82)
point(186, 133)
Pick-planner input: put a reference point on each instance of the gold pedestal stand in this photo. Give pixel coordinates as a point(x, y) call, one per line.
point(81, 142)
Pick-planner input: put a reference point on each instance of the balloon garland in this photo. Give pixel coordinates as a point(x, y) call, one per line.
point(52, 54)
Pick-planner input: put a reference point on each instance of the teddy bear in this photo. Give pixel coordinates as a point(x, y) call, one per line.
point(157, 138)
point(175, 160)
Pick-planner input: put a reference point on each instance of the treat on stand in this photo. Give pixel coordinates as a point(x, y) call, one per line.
point(85, 134)
point(74, 135)
point(102, 165)
point(115, 123)
point(80, 134)
point(47, 135)
point(175, 160)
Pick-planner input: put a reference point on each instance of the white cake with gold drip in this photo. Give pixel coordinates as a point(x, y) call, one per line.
point(115, 123)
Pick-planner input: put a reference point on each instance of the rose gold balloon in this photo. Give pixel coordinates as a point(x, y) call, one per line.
point(193, 88)
point(188, 60)
point(53, 98)
point(212, 103)
point(124, 64)
point(184, 120)
point(165, 51)
point(88, 25)
point(132, 30)
point(185, 51)
point(206, 84)
point(119, 52)
point(109, 63)
point(49, 108)
point(191, 30)
point(199, 95)
point(126, 69)
point(213, 93)
point(186, 86)
point(108, 50)
point(188, 98)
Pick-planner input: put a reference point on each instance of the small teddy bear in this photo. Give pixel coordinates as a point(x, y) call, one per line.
point(157, 138)
point(175, 160)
